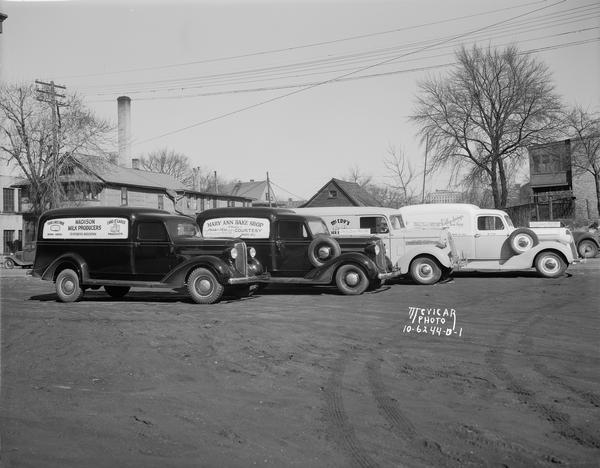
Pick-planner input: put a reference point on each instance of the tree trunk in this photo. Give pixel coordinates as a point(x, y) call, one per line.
point(597, 181)
point(503, 185)
point(494, 181)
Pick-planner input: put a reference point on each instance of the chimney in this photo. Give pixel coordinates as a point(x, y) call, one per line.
point(135, 163)
point(124, 125)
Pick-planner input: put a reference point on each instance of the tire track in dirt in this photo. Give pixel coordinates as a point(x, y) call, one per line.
point(431, 451)
point(428, 450)
point(336, 413)
point(527, 343)
point(560, 421)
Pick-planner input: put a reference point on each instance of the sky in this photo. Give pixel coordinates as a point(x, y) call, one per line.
point(304, 90)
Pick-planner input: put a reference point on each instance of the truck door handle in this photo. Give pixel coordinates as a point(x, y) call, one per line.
point(477, 235)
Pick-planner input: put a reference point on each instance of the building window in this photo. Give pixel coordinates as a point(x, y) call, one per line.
point(230, 203)
point(214, 202)
point(123, 196)
point(332, 194)
point(8, 203)
point(161, 202)
point(8, 237)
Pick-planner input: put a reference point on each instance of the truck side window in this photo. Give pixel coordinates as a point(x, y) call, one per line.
point(377, 224)
point(152, 232)
point(489, 223)
point(292, 230)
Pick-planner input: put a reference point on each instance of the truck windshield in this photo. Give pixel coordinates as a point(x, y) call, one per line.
point(183, 229)
point(317, 227)
point(508, 221)
point(396, 221)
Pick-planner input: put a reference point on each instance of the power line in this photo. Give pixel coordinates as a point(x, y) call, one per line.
point(368, 67)
point(361, 77)
point(310, 73)
point(176, 84)
point(303, 46)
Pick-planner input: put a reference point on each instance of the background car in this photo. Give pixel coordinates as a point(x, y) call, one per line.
point(22, 258)
point(588, 242)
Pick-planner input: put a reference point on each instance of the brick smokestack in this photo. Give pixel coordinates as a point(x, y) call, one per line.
point(124, 125)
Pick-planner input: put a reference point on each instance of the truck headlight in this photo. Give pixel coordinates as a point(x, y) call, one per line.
point(252, 252)
point(234, 253)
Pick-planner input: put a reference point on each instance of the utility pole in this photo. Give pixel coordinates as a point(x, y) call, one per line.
point(46, 92)
point(425, 167)
point(216, 184)
point(269, 189)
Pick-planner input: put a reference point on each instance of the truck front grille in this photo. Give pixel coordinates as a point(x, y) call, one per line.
point(241, 262)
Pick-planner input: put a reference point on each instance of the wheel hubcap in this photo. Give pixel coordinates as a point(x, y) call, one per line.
point(550, 264)
point(68, 286)
point(203, 286)
point(426, 271)
point(352, 278)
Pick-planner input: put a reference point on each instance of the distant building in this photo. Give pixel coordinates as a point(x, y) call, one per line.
point(338, 192)
point(553, 180)
point(445, 196)
point(260, 193)
point(11, 222)
point(95, 181)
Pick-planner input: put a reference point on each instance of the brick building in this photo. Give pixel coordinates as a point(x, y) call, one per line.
point(445, 196)
point(11, 222)
point(554, 182)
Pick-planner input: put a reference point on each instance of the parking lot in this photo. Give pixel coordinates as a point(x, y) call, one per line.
point(495, 369)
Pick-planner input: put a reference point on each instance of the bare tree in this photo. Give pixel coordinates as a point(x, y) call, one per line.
point(402, 173)
point(583, 127)
point(490, 107)
point(357, 176)
point(169, 162)
point(43, 150)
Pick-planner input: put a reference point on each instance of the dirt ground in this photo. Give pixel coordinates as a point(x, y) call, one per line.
point(507, 373)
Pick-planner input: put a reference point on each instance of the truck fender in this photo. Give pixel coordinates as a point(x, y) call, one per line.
point(527, 259)
point(219, 267)
point(76, 261)
point(440, 255)
point(325, 273)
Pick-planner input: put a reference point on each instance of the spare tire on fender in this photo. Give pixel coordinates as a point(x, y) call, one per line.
point(522, 240)
point(322, 249)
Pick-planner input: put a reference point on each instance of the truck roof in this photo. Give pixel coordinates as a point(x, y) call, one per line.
point(347, 210)
point(108, 211)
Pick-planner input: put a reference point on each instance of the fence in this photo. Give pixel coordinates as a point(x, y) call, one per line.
point(549, 210)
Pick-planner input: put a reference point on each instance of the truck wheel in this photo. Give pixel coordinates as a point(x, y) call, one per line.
point(587, 249)
point(550, 265)
point(322, 249)
point(425, 270)
point(117, 291)
point(203, 286)
point(521, 240)
point(68, 288)
point(351, 280)
point(9, 263)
